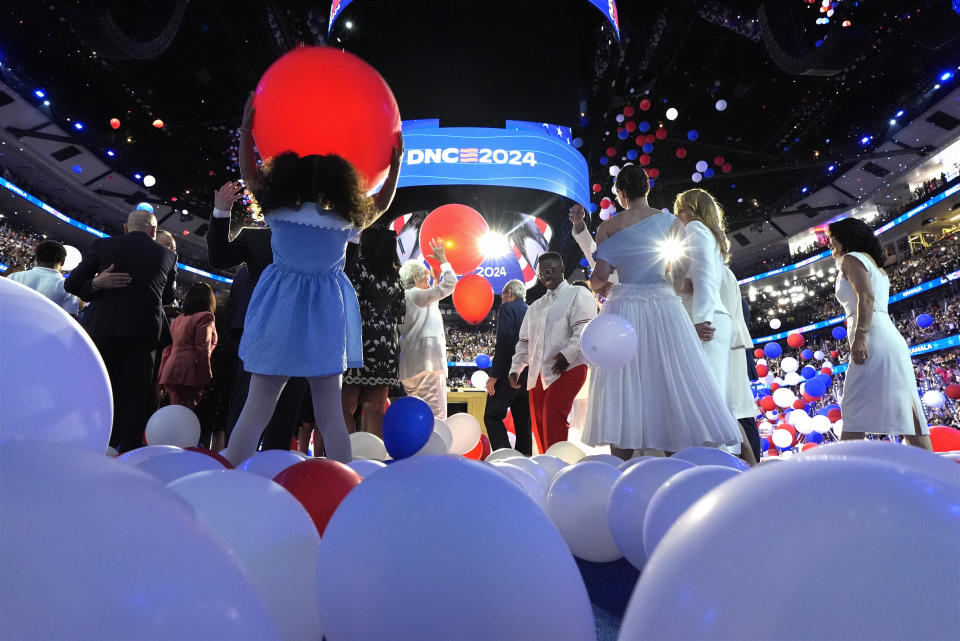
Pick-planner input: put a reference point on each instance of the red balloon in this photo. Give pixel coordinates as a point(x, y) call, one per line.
point(485, 444)
point(611, 152)
point(767, 404)
point(639, 140)
point(758, 353)
point(473, 298)
point(834, 415)
point(653, 172)
point(726, 168)
point(661, 133)
point(115, 123)
point(718, 161)
point(799, 404)
point(795, 340)
point(952, 391)
point(644, 105)
point(789, 428)
point(604, 203)
point(650, 138)
point(628, 111)
point(460, 228)
point(597, 187)
point(808, 446)
point(762, 370)
point(481, 450)
point(644, 159)
point(320, 100)
point(944, 438)
point(508, 423)
point(158, 123)
point(319, 484)
point(809, 398)
point(826, 370)
point(227, 464)
point(774, 387)
point(681, 152)
point(630, 126)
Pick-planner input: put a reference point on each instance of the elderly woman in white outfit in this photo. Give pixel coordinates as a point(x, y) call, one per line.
point(423, 343)
point(705, 287)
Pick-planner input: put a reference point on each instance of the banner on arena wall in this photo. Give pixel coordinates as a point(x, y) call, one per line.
point(607, 7)
point(524, 154)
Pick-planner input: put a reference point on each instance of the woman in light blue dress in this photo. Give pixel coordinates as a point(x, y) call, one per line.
point(666, 397)
point(304, 318)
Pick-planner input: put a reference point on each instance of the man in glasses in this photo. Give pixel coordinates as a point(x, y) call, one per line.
point(549, 348)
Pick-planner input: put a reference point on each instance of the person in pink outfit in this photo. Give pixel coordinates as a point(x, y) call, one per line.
point(185, 366)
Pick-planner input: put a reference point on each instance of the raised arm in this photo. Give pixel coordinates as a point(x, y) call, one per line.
point(385, 196)
point(220, 251)
point(448, 279)
point(859, 278)
point(581, 233)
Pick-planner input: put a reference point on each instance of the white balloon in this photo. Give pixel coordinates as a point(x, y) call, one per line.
point(613, 169)
point(577, 505)
point(789, 364)
point(466, 433)
point(577, 142)
point(934, 398)
point(88, 534)
point(806, 425)
point(434, 446)
point(112, 452)
point(675, 496)
point(73, 258)
point(909, 460)
point(784, 397)
point(53, 384)
point(135, 457)
point(609, 341)
point(269, 463)
point(818, 355)
point(149, 181)
point(533, 469)
point(720, 105)
point(566, 451)
point(501, 454)
point(479, 379)
point(174, 465)
point(672, 113)
point(761, 361)
point(696, 177)
point(368, 445)
point(819, 423)
point(604, 214)
point(550, 464)
point(838, 428)
point(444, 431)
point(782, 438)
point(882, 524)
point(797, 417)
point(173, 425)
point(775, 323)
point(249, 511)
point(702, 166)
point(386, 530)
point(628, 502)
point(524, 481)
point(365, 467)
point(609, 459)
point(792, 378)
point(620, 118)
point(711, 456)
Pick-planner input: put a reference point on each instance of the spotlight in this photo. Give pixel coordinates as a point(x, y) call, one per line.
point(493, 245)
point(39, 94)
point(78, 126)
point(865, 140)
point(137, 176)
point(893, 121)
point(348, 24)
point(46, 103)
point(831, 167)
point(803, 190)
point(149, 181)
point(946, 75)
point(671, 249)
point(899, 113)
point(111, 153)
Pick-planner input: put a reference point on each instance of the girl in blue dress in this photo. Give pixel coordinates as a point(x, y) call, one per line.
point(303, 318)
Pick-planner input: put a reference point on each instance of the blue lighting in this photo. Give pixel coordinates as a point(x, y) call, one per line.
point(111, 153)
point(946, 75)
point(865, 140)
point(803, 190)
point(899, 113)
point(77, 169)
point(39, 94)
point(78, 126)
point(137, 176)
point(831, 168)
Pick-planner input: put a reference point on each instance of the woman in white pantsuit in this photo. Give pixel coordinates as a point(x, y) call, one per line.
point(880, 388)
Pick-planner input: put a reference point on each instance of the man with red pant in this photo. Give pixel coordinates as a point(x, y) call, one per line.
point(549, 346)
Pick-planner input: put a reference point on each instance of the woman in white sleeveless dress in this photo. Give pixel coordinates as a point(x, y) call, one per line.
point(880, 390)
point(665, 397)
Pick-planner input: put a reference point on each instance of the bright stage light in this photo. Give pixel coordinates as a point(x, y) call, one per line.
point(672, 249)
point(493, 244)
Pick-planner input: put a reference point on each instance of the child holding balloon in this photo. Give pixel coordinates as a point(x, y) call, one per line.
point(304, 318)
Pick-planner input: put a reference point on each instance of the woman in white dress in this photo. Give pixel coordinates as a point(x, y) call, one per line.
point(665, 397)
point(423, 344)
point(880, 390)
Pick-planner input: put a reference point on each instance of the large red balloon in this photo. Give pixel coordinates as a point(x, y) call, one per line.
point(320, 100)
point(460, 228)
point(473, 298)
point(952, 391)
point(795, 340)
point(944, 438)
point(319, 485)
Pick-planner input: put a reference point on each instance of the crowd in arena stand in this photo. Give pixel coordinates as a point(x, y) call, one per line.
point(17, 245)
point(467, 344)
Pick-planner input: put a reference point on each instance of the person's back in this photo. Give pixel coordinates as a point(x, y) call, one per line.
point(46, 279)
point(639, 252)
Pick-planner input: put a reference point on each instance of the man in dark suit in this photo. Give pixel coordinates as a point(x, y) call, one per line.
point(126, 280)
point(252, 248)
point(502, 395)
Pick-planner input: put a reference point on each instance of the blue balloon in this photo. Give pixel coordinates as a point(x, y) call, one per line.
point(632, 154)
point(808, 372)
point(764, 445)
point(644, 126)
point(833, 406)
point(763, 391)
point(647, 147)
point(708, 173)
point(623, 134)
point(594, 207)
point(483, 361)
point(583, 263)
point(815, 388)
point(806, 354)
point(839, 333)
point(604, 160)
point(823, 411)
point(692, 135)
point(825, 379)
point(407, 426)
point(772, 350)
point(814, 437)
point(584, 121)
point(924, 320)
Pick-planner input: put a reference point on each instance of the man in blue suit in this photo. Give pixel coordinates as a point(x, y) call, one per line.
point(503, 397)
